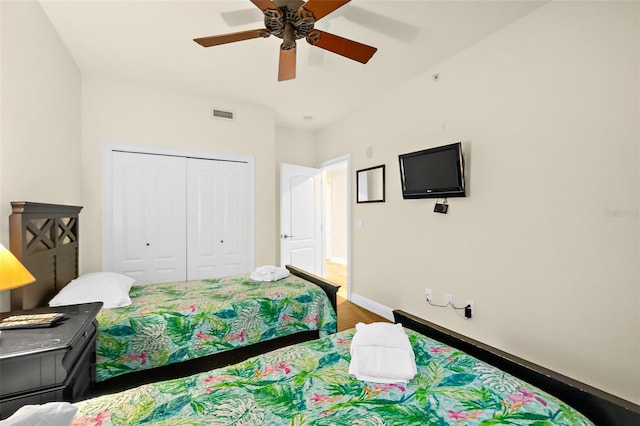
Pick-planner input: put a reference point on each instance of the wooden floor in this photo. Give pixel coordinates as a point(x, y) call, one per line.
point(349, 314)
point(337, 273)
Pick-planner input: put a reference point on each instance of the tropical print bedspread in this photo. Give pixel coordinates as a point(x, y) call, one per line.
point(309, 384)
point(168, 323)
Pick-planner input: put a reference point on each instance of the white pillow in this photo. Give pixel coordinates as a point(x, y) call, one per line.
point(107, 287)
point(49, 414)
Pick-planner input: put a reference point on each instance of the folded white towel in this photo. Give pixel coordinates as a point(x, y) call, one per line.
point(382, 353)
point(269, 273)
point(380, 334)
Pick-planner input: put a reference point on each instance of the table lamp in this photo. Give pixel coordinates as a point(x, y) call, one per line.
point(12, 273)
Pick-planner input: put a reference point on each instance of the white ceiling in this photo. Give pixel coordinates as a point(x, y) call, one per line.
point(152, 41)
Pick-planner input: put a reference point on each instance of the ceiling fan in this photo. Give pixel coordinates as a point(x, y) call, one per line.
point(291, 20)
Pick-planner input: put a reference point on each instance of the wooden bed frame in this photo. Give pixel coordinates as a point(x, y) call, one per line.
point(44, 237)
point(600, 407)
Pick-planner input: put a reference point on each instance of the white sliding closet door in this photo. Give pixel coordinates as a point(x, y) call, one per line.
point(217, 218)
point(148, 217)
point(175, 218)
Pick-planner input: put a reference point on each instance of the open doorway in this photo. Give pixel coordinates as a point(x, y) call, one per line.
point(335, 205)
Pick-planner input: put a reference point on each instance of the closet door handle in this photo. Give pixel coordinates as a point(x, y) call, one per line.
point(148, 244)
point(285, 236)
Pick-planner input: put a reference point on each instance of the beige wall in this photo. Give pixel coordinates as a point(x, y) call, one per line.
point(39, 115)
point(339, 213)
point(116, 111)
point(295, 146)
point(546, 243)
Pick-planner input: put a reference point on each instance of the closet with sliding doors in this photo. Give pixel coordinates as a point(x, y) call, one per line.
point(176, 218)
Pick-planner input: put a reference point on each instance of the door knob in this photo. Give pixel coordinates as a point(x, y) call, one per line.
point(285, 236)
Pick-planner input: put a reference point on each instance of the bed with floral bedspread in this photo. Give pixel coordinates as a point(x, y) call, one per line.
point(309, 384)
point(173, 322)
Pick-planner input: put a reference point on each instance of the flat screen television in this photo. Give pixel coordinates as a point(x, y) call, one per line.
point(433, 173)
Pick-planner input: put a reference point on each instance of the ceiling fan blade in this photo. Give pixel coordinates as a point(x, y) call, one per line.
point(232, 37)
point(342, 46)
point(264, 4)
point(321, 8)
point(287, 66)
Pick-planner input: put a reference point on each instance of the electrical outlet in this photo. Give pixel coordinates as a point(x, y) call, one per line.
point(427, 294)
point(468, 310)
point(448, 299)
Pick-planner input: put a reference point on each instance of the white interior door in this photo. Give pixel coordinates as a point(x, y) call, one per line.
point(148, 214)
point(218, 220)
point(300, 218)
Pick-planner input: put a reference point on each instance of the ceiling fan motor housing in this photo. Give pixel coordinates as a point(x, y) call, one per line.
point(289, 22)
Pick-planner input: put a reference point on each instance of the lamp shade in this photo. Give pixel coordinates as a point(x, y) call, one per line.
point(12, 273)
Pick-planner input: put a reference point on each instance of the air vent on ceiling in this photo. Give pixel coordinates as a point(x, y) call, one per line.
point(218, 113)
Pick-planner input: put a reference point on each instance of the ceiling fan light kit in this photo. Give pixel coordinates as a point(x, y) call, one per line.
point(291, 20)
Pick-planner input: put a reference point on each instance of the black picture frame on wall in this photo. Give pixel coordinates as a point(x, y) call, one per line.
point(370, 185)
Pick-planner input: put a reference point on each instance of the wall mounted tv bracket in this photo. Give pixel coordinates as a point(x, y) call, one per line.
point(441, 207)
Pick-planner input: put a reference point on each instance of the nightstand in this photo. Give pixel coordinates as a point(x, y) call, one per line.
point(39, 365)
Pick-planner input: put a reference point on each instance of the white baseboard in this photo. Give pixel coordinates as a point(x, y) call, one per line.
point(338, 260)
point(372, 306)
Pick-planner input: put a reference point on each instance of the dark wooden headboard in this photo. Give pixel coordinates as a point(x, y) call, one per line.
point(44, 237)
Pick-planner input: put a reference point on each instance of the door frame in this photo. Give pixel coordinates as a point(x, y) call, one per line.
point(108, 147)
point(323, 166)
